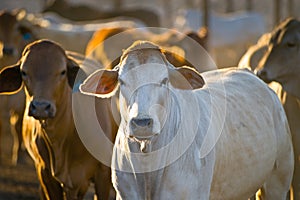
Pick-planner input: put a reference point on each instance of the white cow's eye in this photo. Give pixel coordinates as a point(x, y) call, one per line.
point(164, 81)
point(121, 82)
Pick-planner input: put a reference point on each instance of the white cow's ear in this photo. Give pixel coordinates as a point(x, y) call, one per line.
point(102, 83)
point(185, 78)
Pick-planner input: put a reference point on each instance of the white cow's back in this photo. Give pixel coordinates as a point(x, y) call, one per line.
point(254, 135)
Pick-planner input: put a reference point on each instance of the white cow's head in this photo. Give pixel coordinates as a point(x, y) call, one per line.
point(146, 81)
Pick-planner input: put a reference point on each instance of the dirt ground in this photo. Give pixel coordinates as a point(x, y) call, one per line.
point(18, 183)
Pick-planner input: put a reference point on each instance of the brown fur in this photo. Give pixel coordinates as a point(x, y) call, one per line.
point(53, 142)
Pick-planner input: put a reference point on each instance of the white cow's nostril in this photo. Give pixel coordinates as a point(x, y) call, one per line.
point(143, 122)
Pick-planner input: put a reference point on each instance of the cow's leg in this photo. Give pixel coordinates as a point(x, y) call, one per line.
point(278, 184)
point(16, 121)
point(103, 185)
point(75, 194)
point(50, 187)
point(77, 191)
point(15, 149)
point(43, 195)
point(19, 154)
point(296, 177)
point(16, 131)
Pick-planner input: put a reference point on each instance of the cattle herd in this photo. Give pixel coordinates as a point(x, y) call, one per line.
point(174, 125)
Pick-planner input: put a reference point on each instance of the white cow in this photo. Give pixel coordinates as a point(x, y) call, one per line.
point(219, 135)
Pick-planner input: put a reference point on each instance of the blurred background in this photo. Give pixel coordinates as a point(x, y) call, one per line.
point(233, 25)
point(271, 10)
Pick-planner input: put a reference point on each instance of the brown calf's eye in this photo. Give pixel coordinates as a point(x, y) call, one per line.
point(63, 72)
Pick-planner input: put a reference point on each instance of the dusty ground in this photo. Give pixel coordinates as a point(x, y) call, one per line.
point(18, 182)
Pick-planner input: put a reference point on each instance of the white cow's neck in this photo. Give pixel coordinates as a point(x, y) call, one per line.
point(148, 183)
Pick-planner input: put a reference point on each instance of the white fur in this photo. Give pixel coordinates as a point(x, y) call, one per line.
point(215, 160)
point(223, 141)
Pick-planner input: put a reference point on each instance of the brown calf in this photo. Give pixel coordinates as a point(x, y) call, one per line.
point(62, 162)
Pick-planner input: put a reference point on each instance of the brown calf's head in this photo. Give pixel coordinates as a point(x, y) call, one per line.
point(47, 73)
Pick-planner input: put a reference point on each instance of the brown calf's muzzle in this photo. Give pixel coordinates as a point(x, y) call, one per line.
point(42, 109)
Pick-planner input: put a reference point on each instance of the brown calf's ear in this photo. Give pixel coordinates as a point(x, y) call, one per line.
point(102, 83)
point(10, 79)
point(72, 70)
point(185, 78)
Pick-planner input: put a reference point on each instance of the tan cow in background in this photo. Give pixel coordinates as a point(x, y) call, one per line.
point(255, 52)
point(13, 38)
point(276, 58)
point(281, 63)
point(180, 49)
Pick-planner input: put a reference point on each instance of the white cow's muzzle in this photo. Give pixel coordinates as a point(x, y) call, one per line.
point(141, 128)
